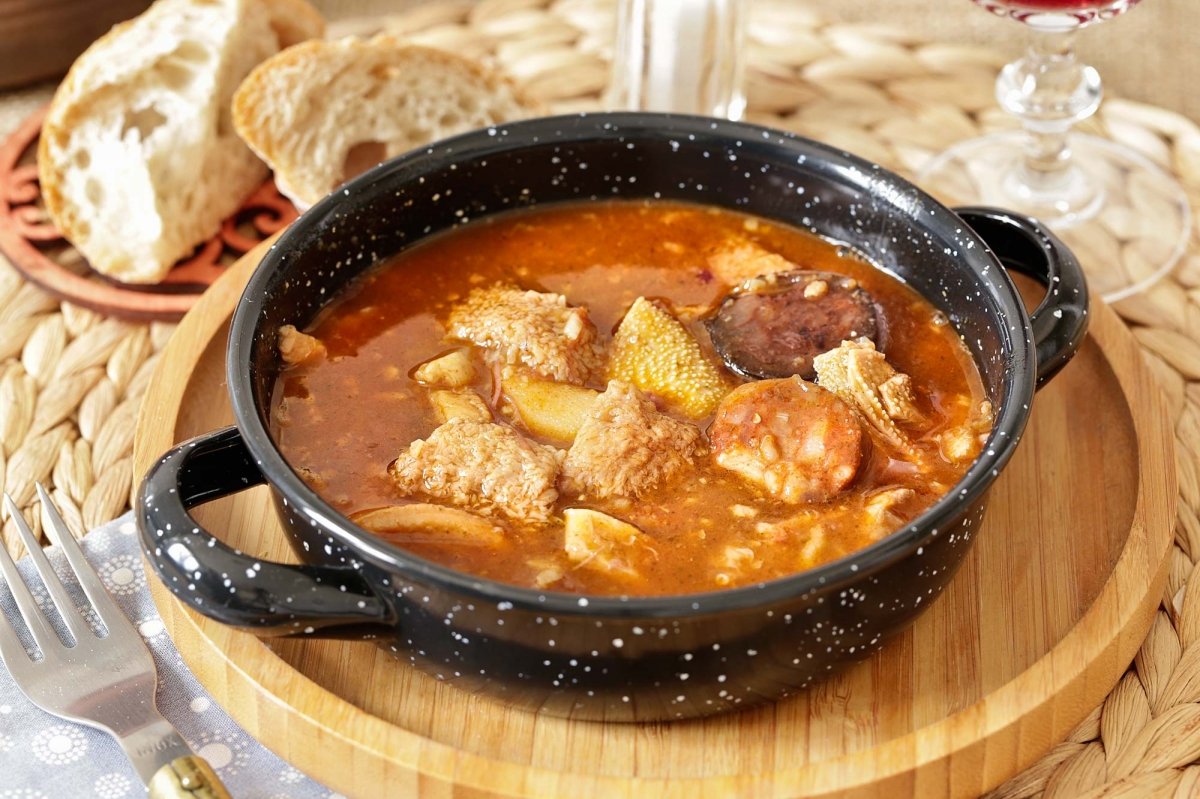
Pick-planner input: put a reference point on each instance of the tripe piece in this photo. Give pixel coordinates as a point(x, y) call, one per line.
point(655, 352)
point(481, 466)
point(626, 447)
point(860, 375)
point(534, 328)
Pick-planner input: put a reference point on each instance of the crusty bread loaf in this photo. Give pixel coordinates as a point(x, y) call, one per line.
point(321, 112)
point(138, 159)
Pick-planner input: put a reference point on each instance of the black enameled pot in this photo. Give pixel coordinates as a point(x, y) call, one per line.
point(613, 658)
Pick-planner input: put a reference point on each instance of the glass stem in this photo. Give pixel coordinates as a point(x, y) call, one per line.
point(1050, 91)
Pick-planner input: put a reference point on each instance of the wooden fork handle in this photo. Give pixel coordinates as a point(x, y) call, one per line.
point(188, 777)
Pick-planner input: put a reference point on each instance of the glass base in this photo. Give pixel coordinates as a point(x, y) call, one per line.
point(1126, 219)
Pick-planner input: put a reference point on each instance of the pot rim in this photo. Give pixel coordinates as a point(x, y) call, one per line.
point(1009, 424)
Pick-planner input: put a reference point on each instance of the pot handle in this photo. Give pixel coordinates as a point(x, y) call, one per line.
point(226, 584)
point(1024, 245)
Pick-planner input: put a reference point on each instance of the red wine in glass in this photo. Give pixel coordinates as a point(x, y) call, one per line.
point(1058, 14)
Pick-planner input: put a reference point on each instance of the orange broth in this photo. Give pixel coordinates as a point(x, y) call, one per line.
point(343, 419)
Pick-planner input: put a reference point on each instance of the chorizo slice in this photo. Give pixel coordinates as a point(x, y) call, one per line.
point(774, 325)
point(792, 438)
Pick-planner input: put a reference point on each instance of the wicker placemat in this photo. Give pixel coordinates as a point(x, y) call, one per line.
point(70, 380)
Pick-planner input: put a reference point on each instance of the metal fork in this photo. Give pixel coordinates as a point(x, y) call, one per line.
point(104, 682)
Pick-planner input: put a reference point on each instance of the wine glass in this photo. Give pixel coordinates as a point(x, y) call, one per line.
point(1128, 220)
point(681, 56)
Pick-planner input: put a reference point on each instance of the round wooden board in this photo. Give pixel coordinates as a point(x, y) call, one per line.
point(1034, 631)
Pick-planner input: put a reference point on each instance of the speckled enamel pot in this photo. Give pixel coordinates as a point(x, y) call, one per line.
point(612, 658)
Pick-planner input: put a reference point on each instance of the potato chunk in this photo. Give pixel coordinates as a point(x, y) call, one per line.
point(595, 540)
point(452, 370)
point(546, 408)
point(655, 352)
point(459, 405)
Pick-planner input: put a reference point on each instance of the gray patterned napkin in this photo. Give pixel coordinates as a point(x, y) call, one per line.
point(43, 757)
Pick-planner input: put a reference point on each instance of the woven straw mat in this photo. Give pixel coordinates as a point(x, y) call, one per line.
point(70, 380)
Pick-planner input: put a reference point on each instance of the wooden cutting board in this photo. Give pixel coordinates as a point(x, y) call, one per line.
point(1048, 609)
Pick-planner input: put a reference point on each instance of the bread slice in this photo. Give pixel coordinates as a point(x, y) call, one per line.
point(138, 159)
point(322, 112)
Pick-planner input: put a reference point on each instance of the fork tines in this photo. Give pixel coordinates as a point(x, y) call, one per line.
point(43, 634)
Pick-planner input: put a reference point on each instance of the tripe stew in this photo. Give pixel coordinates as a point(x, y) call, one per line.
point(629, 398)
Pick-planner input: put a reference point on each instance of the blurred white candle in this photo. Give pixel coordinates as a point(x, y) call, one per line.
point(683, 56)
